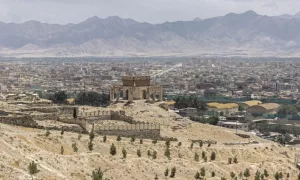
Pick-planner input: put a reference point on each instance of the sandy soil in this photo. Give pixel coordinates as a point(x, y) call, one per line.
point(20, 146)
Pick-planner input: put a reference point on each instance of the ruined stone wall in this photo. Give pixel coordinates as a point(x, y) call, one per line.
point(25, 121)
point(79, 121)
point(149, 131)
point(101, 114)
point(43, 117)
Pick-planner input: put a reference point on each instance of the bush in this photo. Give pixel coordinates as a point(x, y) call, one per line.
point(173, 172)
point(124, 152)
point(257, 175)
point(247, 173)
point(196, 157)
point(132, 139)
point(166, 172)
point(90, 145)
point(202, 172)
point(154, 141)
point(266, 173)
point(192, 145)
point(141, 141)
point(235, 160)
point(232, 175)
point(213, 156)
point(119, 138)
point(213, 174)
point(138, 152)
point(48, 133)
point(97, 174)
point(148, 153)
point(200, 144)
point(167, 153)
point(167, 143)
point(113, 149)
point(197, 175)
point(75, 148)
point(92, 136)
point(203, 154)
point(104, 138)
point(32, 168)
point(154, 155)
point(179, 144)
point(229, 160)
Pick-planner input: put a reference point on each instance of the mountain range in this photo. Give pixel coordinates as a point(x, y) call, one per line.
point(246, 34)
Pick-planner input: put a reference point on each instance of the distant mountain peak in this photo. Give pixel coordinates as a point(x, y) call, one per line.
point(250, 12)
point(197, 19)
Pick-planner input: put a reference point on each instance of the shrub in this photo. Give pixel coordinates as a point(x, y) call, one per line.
point(62, 131)
point(124, 152)
point(90, 145)
point(229, 160)
point(192, 145)
point(232, 175)
point(257, 175)
point(173, 172)
point(113, 149)
point(154, 141)
point(167, 153)
point(148, 153)
point(167, 143)
point(141, 141)
point(48, 133)
point(202, 172)
point(235, 160)
point(75, 148)
point(213, 174)
point(104, 138)
point(138, 152)
point(179, 144)
point(32, 168)
point(132, 139)
point(247, 173)
point(62, 150)
point(166, 172)
point(154, 155)
point(92, 135)
point(119, 138)
point(203, 154)
point(266, 173)
point(196, 157)
point(200, 144)
point(197, 175)
point(97, 174)
point(209, 144)
point(213, 156)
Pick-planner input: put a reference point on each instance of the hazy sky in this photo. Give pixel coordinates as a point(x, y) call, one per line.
point(153, 11)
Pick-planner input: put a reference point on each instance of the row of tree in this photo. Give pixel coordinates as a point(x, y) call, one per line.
point(84, 98)
point(191, 101)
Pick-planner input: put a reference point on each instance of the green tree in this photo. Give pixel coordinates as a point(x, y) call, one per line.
point(90, 145)
point(104, 138)
point(196, 157)
point(154, 155)
point(167, 153)
point(32, 168)
point(113, 149)
point(200, 144)
point(197, 175)
point(173, 172)
point(75, 148)
point(247, 173)
point(92, 99)
point(266, 173)
point(92, 136)
point(167, 143)
point(257, 175)
point(166, 172)
point(119, 138)
point(141, 141)
point(213, 156)
point(132, 140)
point(62, 131)
point(138, 152)
point(98, 174)
point(124, 152)
point(213, 174)
point(74, 113)
point(48, 133)
point(154, 141)
point(241, 108)
point(232, 175)
point(59, 97)
point(203, 154)
point(62, 150)
point(276, 176)
point(262, 177)
point(149, 153)
point(235, 160)
point(229, 160)
point(202, 172)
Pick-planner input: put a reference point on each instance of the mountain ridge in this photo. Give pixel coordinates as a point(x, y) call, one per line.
point(247, 34)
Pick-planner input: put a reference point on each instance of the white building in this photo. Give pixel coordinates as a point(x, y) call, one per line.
point(234, 125)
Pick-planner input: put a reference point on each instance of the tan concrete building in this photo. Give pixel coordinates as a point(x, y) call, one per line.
point(136, 88)
point(268, 108)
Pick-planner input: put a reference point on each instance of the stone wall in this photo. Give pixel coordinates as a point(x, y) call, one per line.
point(79, 121)
point(25, 121)
point(46, 116)
point(148, 131)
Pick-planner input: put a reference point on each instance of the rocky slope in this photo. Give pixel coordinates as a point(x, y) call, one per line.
point(20, 146)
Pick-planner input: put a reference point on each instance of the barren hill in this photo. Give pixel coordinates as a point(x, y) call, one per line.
point(20, 145)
